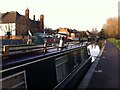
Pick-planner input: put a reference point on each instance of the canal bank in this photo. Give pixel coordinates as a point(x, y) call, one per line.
point(103, 73)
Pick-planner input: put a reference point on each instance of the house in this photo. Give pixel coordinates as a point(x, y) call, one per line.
point(19, 25)
point(71, 34)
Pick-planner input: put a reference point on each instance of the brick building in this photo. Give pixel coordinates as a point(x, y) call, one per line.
point(18, 24)
point(69, 32)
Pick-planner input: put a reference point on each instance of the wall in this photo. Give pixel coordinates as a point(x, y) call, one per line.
point(4, 28)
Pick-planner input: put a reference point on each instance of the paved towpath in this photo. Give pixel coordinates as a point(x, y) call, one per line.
point(105, 71)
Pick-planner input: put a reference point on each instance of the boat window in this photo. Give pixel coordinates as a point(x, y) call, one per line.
point(61, 67)
point(15, 81)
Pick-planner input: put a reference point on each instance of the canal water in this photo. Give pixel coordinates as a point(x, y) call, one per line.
point(94, 50)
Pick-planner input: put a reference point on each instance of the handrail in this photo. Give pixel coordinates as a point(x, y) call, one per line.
point(8, 50)
point(19, 49)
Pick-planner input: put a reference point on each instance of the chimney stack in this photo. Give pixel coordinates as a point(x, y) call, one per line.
point(41, 22)
point(34, 17)
point(27, 13)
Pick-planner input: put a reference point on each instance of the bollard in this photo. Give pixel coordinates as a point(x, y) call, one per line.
point(6, 49)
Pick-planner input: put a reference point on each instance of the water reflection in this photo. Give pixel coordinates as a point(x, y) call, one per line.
point(93, 51)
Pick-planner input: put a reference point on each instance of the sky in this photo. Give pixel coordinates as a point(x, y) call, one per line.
point(74, 14)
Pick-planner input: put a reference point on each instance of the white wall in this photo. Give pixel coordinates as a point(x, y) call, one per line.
point(4, 28)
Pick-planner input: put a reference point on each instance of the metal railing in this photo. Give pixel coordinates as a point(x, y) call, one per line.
point(8, 50)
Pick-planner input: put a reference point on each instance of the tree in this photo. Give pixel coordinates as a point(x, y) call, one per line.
point(82, 35)
point(101, 34)
point(48, 30)
point(118, 35)
point(111, 28)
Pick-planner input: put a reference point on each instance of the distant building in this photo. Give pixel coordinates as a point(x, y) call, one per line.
point(69, 32)
point(18, 24)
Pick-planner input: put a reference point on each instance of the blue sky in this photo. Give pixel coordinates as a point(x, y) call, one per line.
point(75, 14)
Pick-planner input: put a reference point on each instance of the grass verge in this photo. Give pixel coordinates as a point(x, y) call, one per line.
point(115, 41)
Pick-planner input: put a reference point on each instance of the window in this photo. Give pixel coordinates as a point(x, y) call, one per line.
point(61, 67)
point(14, 81)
